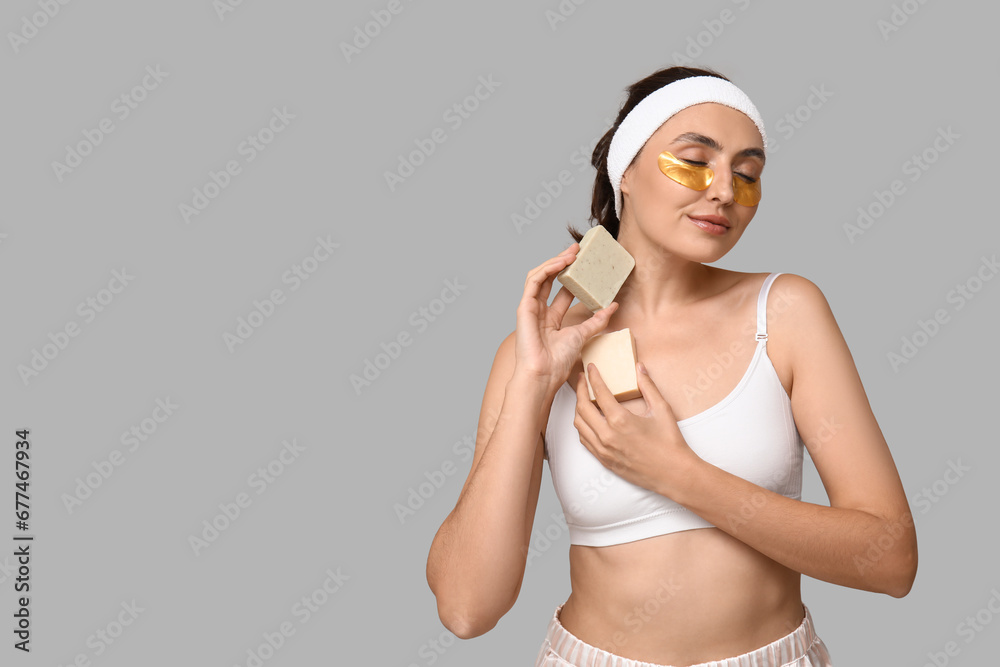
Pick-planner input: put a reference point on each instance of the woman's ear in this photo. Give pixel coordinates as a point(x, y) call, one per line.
point(623, 186)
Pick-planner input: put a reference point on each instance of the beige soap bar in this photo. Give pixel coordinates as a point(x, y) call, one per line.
point(599, 270)
point(614, 355)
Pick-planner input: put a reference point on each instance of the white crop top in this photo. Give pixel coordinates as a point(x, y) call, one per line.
point(749, 433)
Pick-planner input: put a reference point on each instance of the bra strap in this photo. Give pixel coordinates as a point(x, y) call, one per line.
point(762, 306)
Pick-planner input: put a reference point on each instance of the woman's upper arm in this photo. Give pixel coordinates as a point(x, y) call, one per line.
point(489, 413)
point(831, 409)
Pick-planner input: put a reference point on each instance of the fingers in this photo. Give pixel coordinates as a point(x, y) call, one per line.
point(538, 284)
point(565, 257)
point(548, 269)
point(605, 399)
point(598, 321)
point(650, 392)
point(559, 306)
point(588, 414)
point(545, 289)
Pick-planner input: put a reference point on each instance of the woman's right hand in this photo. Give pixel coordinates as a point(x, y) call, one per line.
point(544, 351)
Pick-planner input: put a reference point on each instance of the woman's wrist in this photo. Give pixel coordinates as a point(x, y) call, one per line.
point(534, 385)
point(685, 478)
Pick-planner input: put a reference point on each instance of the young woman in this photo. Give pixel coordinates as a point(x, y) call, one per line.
point(688, 533)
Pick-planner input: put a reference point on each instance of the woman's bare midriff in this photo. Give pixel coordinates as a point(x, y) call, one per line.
point(680, 599)
point(697, 595)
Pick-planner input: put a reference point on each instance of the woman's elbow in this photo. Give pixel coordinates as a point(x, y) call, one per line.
point(465, 625)
point(469, 614)
point(904, 571)
point(464, 621)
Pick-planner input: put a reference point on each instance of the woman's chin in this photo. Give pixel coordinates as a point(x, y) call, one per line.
point(702, 252)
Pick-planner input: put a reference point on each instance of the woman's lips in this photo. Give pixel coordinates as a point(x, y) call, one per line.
point(713, 224)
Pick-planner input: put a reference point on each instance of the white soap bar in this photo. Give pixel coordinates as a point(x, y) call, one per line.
point(599, 270)
point(614, 355)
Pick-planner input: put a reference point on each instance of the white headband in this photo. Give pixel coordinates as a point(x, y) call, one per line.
point(657, 107)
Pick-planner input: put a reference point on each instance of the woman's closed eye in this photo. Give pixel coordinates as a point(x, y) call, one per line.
point(699, 163)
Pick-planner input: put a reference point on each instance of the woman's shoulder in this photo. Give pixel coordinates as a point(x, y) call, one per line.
point(792, 286)
point(798, 311)
point(796, 289)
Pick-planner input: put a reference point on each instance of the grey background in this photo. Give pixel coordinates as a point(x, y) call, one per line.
point(323, 176)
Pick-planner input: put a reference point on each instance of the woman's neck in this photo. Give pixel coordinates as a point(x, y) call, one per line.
point(661, 282)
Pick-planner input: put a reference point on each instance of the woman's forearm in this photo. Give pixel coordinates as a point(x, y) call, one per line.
point(478, 556)
point(848, 547)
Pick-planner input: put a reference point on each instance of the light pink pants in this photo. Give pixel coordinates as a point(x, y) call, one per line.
point(799, 648)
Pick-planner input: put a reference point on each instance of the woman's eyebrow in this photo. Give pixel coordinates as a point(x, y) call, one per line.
point(699, 139)
point(715, 145)
point(753, 152)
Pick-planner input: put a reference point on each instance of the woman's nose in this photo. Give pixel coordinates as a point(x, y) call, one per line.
point(721, 188)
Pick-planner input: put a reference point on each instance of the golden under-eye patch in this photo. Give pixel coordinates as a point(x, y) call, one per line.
point(699, 177)
point(689, 175)
point(745, 193)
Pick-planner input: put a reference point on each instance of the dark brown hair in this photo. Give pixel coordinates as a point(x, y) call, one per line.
point(602, 207)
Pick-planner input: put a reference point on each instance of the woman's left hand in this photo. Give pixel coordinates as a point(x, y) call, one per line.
point(648, 449)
